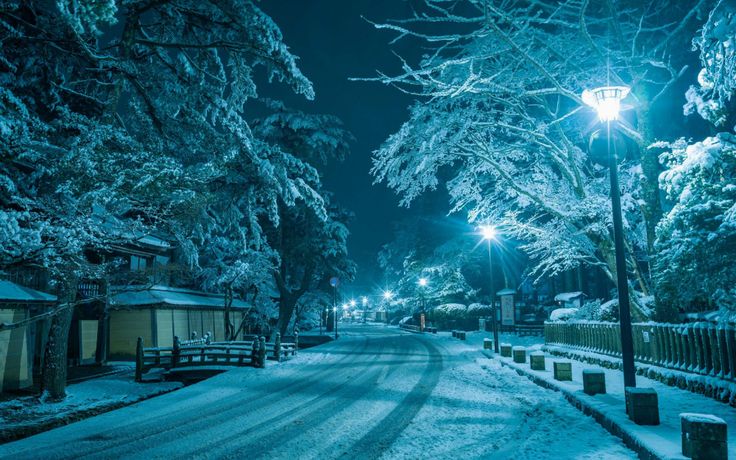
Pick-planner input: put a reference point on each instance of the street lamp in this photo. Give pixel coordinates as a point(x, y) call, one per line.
point(364, 300)
point(423, 282)
point(607, 102)
point(490, 234)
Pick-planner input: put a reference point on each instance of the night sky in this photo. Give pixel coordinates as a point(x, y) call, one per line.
point(335, 43)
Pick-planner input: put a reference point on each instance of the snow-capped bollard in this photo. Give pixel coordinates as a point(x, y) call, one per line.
point(704, 437)
point(594, 382)
point(505, 349)
point(487, 344)
point(536, 360)
point(454, 333)
point(461, 335)
point(519, 354)
point(642, 405)
point(562, 370)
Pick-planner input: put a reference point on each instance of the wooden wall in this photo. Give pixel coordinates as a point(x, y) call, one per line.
point(125, 328)
point(15, 359)
point(127, 325)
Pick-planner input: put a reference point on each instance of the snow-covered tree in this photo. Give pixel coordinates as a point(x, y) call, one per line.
point(697, 238)
point(503, 125)
point(310, 234)
point(144, 118)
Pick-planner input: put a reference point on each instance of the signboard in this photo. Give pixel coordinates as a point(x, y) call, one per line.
point(481, 324)
point(507, 310)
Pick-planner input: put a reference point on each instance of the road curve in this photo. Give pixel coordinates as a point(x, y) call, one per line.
point(376, 392)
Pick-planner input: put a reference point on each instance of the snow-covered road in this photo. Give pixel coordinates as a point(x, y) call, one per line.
point(375, 393)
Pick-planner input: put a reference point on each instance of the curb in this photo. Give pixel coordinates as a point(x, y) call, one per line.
point(645, 452)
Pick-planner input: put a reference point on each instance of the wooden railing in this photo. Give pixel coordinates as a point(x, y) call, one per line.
point(409, 327)
point(701, 348)
point(253, 351)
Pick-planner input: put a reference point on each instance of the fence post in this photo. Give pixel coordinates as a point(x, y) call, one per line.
point(277, 347)
point(139, 359)
point(175, 352)
point(262, 352)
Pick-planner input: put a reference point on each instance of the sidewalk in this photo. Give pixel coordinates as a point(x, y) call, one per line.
point(28, 415)
point(662, 441)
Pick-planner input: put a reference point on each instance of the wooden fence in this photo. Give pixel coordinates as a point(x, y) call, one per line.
point(702, 348)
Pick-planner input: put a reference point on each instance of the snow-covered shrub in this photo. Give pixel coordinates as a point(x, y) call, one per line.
point(450, 311)
point(563, 314)
point(595, 310)
point(479, 309)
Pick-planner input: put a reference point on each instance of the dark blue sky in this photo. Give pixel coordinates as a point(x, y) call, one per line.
point(335, 43)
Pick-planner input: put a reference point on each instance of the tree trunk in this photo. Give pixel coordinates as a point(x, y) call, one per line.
point(53, 378)
point(287, 304)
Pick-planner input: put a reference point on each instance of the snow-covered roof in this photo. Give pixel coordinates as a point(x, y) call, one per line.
point(11, 292)
point(568, 296)
point(506, 291)
point(165, 295)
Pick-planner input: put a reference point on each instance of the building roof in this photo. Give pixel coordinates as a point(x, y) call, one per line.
point(14, 293)
point(169, 296)
point(506, 291)
point(569, 296)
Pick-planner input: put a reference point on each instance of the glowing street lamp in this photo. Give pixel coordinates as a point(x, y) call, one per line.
point(423, 282)
point(607, 102)
point(353, 303)
point(489, 234)
point(388, 295)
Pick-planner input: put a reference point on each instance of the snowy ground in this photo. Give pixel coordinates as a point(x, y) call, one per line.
point(27, 415)
point(375, 393)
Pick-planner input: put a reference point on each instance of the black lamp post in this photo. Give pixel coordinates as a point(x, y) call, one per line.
point(489, 234)
point(607, 101)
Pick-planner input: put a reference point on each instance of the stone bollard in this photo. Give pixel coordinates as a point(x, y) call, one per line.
point(536, 360)
point(454, 333)
point(461, 335)
point(519, 354)
point(594, 382)
point(642, 405)
point(562, 370)
point(704, 437)
point(505, 349)
point(487, 344)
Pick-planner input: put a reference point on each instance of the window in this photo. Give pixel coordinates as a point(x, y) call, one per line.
point(137, 263)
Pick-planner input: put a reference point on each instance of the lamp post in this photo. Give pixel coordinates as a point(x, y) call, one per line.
point(607, 102)
point(489, 234)
point(423, 282)
point(387, 296)
point(364, 301)
point(334, 315)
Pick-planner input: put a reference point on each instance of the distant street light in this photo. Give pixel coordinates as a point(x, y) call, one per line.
point(353, 303)
point(364, 299)
point(490, 234)
point(423, 282)
point(607, 102)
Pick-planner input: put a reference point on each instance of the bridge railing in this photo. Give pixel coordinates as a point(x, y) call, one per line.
point(253, 351)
